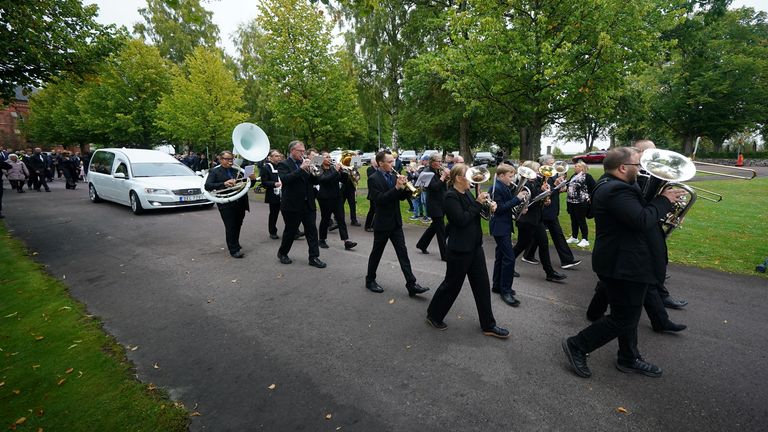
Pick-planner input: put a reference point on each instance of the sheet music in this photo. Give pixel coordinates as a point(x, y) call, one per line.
point(248, 170)
point(424, 178)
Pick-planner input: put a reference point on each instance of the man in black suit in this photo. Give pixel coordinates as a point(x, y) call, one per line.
point(233, 212)
point(270, 180)
point(298, 203)
point(436, 190)
point(348, 192)
point(627, 258)
point(372, 205)
point(387, 189)
point(38, 164)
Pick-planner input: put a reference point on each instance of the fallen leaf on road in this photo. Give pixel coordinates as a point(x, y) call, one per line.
point(272, 387)
point(21, 420)
point(328, 416)
point(622, 410)
point(35, 254)
point(156, 366)
point(407, 347)
point(61, 381)
point(2, 383)
point(195, 414)
point(64, 308)
point(725, 322)
point(234, 280)
point(391, 301)
point(69, 371)
point(64, 276)
point(134, 348)
point(151, 387)
point(210, 300)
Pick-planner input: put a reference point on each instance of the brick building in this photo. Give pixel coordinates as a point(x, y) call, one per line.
point(11, 119)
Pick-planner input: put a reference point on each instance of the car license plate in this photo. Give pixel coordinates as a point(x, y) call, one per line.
point(191, 198)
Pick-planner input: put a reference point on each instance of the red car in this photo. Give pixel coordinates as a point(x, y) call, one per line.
point(591, 157)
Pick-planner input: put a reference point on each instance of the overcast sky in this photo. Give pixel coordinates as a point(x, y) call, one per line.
point(229, 14)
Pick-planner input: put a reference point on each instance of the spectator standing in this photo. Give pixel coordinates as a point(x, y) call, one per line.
point(578, 202)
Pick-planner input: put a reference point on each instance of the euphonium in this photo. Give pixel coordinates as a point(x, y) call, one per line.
point(672, 169)
point(525, 174)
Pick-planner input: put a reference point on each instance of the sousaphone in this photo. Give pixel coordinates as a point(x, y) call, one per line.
point(249, 143)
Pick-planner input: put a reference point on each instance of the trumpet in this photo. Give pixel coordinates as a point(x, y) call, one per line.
point(315, 166)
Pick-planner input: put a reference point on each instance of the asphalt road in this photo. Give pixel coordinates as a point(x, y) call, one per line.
point(222, 331)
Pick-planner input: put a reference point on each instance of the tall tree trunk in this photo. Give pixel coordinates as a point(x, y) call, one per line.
point(612, 143)
point(688, 143)
point(530, 140)
point(464, 140)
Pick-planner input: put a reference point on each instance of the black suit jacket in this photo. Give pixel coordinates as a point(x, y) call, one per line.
point(436, 190)
point(298, 193)
point(215, 181)
point(329, 184)
point(37, 162)
point(629, 243)
point(387, 200)
point(269, 176)
point(501, 221)
point(369, 172)
point(463, 213)
point(534, 214)
point(551, 211)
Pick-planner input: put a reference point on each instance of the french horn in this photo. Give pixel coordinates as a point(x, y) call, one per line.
point(251, 143)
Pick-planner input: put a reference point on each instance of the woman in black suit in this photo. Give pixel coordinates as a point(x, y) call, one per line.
point(271, 183)
point(464, 256)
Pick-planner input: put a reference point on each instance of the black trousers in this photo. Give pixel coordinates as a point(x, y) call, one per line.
point(397, 238)
point(653, 304)
point(528, 234)
point(274, 212)
point(292, 221)
point(504, 266)
point(333, 207)
point(349, 197)
point(558, 239)
point(621, 323)
point(460, 265)
point(17, 184)
point(371, 214)
point(232, 216)
point(578, 214)
point(436, 229)
point(38, 180)
point(1, 194)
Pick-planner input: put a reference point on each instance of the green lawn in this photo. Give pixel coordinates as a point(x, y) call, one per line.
point(727, 236)
point(58, 369)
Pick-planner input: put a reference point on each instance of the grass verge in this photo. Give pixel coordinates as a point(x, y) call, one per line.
point(58, 369)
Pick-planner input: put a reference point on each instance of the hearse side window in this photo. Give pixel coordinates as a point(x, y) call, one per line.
point(102, 162)
point(122, 168)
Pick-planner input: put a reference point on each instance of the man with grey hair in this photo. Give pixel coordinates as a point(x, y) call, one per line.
point(550, 218)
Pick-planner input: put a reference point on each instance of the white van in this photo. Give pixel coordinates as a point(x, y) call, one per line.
point(143, 180)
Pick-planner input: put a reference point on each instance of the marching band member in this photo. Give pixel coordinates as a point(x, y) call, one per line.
point(298, 204)
point(348, 192)
point(501, 229)
point(329, 197)
point(386, 190)
point(271, 183)
point(465, 257)
point(625, 260)
point(435, 198)
point(232, 213)
point(371, 170)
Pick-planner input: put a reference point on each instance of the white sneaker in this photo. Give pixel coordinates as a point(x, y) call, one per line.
point(572, 240)
point(583, 243)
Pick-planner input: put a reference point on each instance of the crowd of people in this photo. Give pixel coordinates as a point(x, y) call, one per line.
point(627, 224)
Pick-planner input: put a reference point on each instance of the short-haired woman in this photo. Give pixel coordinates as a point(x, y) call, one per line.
point(579, 199)
point(464, 256)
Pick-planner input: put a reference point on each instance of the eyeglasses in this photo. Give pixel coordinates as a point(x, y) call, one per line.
point(228, 159)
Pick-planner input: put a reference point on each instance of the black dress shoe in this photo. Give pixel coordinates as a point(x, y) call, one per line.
point(436, 324)
point(516, 274)
point(355, 223)
point(315, 262)
point(510, 300)
point(671, 303)
point(322, 244)
point(495, 290)
point(373, 286)
point(577, 359)
point(284, 259)
point(670, 327)
point(423, 250)
point(237, 254)
point(274, 236)
point(555, 276)
point(641, 367)
point(593, 318)
point(348, 244)
point(497, 331)
point(416, 289)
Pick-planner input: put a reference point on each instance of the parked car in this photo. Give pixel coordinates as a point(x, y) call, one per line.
point(591, 157)
point(408, 156)
point(143, 180)
point(484, 158)
point(428, 153)
point(365, 159)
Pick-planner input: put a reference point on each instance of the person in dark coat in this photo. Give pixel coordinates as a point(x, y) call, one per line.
point(372, 205)
point(331, 204)
point(38, 164)
point(69, 168)
point(297, 203)
point(270, 181)
point(436, 190)
point(627, 257)
point(465, 256)
point(233, 212)
point(387, 189)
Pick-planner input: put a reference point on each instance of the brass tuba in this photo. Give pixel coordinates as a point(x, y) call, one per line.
point(251, 143)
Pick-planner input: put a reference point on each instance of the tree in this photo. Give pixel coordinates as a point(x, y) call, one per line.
point(54, 117)
point(44, 38)
point(177, 27)
point(120, 105)
point(307, 91)
point(204, 106)
point(535, 61)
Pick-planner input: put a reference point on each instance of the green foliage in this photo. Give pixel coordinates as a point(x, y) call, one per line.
point(60, 371)
point(54, 116)
point(306, 88)
point(204, 106)
point(177, 27)
point(44, 38)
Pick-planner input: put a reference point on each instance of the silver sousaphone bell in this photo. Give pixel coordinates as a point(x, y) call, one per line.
point(251, 143)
